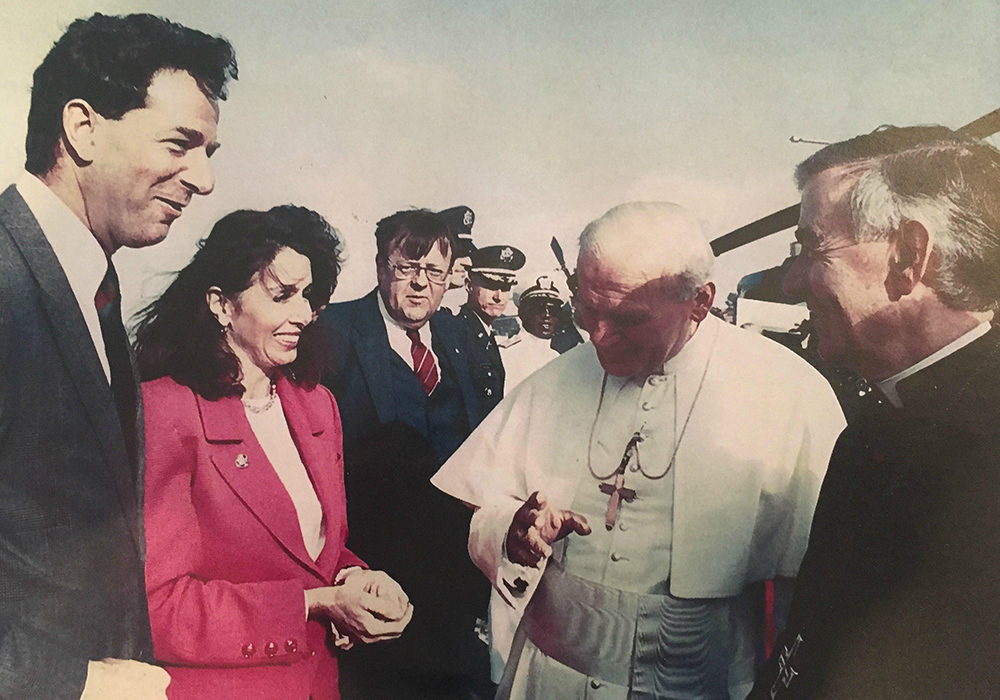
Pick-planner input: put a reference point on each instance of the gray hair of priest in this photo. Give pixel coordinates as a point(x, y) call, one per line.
point(655, 240)
point(948, 182)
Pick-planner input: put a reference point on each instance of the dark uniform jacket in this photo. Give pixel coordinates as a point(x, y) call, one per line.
point(898, 595)
point(485, 363)
point(395, 438)
point(71, 538)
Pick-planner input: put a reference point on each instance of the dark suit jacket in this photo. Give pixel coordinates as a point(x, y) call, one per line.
point(71, 539)
point(897, 596)
point(485, 362)
point(398, 521)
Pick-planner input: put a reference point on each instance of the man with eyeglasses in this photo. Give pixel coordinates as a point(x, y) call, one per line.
point(403, 383)
point(897, 594)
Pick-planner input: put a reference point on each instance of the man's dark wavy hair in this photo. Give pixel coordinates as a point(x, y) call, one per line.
point(109, 61)
point(178, 336)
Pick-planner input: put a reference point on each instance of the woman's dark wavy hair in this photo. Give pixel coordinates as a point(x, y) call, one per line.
point(178, 336)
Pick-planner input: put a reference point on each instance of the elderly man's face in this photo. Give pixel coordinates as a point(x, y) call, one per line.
point(635, 323)
point(412, 289)
point(842, 282)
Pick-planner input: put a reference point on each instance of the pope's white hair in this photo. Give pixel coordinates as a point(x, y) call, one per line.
point(654, 239)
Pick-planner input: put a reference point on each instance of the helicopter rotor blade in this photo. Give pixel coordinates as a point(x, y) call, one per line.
point(984, 126)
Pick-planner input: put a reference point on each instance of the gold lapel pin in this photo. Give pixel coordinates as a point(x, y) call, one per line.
point(242, 461)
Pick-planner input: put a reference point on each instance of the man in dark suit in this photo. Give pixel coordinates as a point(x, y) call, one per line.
point(401, 377)
point(492, 276)
point(897, 594)
point(122, 122)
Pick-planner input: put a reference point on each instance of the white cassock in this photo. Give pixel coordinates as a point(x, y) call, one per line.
point(524, 358)
point(736, 435)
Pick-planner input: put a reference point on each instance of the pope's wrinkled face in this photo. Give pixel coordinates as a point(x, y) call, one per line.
point(149, 164)
point(842, 282)
point(412, 288)
point(635, 323)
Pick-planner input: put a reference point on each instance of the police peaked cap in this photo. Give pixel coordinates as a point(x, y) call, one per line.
point(459, 221)
point(497, 262)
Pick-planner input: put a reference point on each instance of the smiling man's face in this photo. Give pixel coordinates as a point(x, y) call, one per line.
point(148, 164)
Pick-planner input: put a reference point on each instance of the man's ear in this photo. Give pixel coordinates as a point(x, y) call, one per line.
point(704, 296)
point(909, 257)
point(220, 306)
point(80, 124)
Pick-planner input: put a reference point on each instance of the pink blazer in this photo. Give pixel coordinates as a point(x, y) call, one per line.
point(226, 566)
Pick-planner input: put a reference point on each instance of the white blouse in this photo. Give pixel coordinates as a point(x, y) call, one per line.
point(271, 429)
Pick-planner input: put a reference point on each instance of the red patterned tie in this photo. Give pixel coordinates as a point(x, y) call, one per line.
point(423, 363)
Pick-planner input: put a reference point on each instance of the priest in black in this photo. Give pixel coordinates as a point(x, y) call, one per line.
point(490, 284)
point(897, 594)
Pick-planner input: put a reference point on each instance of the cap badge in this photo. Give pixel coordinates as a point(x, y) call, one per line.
point(506, 255)
point(467, 217)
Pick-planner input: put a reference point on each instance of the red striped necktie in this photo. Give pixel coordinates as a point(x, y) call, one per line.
point(423, 363)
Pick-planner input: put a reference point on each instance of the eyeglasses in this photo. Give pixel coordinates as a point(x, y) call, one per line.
point(410, 271)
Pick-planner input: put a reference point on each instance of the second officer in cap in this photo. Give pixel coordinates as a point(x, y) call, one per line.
point(459, 221)
point(492, 276)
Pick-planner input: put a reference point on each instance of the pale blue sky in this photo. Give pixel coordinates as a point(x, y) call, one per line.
point(540, 115)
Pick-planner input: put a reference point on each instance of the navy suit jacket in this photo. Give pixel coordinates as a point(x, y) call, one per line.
point(359, 375)
point(71, 538)
point(398, 521)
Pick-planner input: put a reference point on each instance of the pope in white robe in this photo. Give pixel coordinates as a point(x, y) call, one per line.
point(729, 436)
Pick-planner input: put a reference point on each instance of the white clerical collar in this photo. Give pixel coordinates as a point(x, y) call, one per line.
point(81, 257)
point(695, 349)
point(888, 386)
point(398, 340)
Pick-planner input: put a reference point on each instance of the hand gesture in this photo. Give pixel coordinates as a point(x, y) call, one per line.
point(536, 525)
point(366, 605)
point(121, 679)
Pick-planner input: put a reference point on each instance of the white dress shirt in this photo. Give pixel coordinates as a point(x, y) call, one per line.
point(78, 252)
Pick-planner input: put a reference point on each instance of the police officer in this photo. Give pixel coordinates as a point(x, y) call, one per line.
point(489, 286)
point(459, 220)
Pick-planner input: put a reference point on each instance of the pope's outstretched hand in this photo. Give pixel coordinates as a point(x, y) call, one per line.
point(536, 525)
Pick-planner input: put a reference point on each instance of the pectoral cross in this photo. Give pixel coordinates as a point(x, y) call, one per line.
point(617, 491)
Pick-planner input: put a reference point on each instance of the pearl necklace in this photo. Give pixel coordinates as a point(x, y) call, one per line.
point(257, 408)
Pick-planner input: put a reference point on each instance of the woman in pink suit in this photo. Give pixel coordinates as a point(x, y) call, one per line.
point(251, 589)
